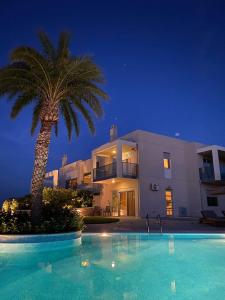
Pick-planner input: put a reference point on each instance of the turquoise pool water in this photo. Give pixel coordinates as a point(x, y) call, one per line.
point(119, 266)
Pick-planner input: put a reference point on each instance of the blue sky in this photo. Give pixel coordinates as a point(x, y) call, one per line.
point(164, 63)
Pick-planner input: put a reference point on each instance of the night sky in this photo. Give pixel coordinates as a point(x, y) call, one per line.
point(164, 63)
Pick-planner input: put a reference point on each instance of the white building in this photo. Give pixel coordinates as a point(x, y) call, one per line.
point(143, 172)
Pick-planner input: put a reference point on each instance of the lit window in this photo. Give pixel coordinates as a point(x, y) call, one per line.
point(169, 202)
point(166, 163)
point(87, 178)
point(166, 160)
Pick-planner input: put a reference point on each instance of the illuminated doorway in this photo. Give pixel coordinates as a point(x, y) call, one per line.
point(123, 203)
point(169, 202)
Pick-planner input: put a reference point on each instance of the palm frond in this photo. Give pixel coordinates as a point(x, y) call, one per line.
point(67, 119)
point(85, 113)
point(47, 46)
point(22, 101)
point(74, 119)
point(36, 117)
point(63, 45)
point(54, 80)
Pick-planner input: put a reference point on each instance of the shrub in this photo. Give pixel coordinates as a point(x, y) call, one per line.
point(59, 196)
point(85, 198)
point(60, 219)
point(6, 206)
point(58, 213)
point(14, 206)
point(15, 223)
point(68, 197)
point(24, 202)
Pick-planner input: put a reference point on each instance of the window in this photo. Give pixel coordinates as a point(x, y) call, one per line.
point(87, 178)
point(166, 160)
point(169, 202)
point(71, 183)
point(166, 163)
point(212, 201)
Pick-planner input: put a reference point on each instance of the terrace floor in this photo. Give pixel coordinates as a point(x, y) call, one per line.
point(132, 224)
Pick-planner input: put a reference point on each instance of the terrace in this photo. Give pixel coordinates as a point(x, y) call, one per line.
point(117, 159)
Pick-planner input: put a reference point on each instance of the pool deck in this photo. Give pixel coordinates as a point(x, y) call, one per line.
point(131, 224)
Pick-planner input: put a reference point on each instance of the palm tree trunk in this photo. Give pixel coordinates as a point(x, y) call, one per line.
point(41, 157)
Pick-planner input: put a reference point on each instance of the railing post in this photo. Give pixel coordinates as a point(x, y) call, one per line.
point(147, 223)
point(119, 159)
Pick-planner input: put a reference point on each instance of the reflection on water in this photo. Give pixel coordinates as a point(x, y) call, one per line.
point(173, 286)
point(171, 245)
point(118, 266)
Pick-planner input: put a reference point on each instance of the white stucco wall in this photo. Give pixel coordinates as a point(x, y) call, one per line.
point(184, 180)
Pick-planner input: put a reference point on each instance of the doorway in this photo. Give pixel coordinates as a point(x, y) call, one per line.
point(123, 203)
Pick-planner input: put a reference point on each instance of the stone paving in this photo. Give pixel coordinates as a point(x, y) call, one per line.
point(168, 226)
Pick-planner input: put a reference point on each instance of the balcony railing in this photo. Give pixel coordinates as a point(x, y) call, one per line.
point(206, 174)
point(129, 170)
point(104, 172)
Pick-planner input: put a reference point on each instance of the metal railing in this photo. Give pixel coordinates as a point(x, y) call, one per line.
point(160, 222)
point(147, 223)
point(129, 170)
point(206, 174)
point(104, 172)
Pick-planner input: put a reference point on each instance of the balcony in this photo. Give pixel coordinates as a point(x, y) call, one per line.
point(129, 170)
point(105, 172)
point(206, 174)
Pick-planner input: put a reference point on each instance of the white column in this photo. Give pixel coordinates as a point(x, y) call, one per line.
point(216, 164)
point(93, 165)
point(119, 159)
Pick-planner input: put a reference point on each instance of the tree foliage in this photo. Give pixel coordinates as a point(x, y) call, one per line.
point(55, 82)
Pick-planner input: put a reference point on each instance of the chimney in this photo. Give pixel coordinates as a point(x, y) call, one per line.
point(64, 160)
point(113, 132)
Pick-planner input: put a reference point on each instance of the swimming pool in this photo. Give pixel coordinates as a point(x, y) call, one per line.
point(119, 266)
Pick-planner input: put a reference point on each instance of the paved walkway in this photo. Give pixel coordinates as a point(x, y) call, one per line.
point(139, 225)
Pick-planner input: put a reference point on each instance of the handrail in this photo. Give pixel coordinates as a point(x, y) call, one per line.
point(160, 222)
point(105, 166)
point(129, 169)
point(147, 223)
point(104, 172)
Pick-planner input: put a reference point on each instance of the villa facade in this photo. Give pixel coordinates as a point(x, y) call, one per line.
point(143, 172)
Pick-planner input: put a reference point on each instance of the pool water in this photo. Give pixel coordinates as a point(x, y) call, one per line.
point(119, 266)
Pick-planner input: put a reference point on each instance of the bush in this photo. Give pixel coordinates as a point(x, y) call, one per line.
point(68, 197)
point(6, 206)
point(15, 223)
point(60, 219)
point(59, 196)
point(24, 202)
point(84, 199)
point(13, 204)
point(58, 214)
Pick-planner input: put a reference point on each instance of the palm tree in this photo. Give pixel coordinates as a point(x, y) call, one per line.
point(57, 83)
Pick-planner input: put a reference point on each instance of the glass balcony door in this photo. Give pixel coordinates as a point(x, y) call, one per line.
point(123, 203)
